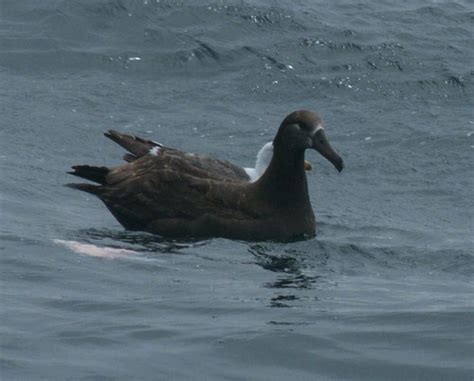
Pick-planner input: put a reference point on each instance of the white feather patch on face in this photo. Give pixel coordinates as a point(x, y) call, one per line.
point(155, 151)
point(318, 127)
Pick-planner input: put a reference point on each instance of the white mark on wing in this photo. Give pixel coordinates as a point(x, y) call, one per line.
point(155, 151)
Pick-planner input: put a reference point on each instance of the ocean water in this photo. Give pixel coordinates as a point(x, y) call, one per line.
point(385, 289)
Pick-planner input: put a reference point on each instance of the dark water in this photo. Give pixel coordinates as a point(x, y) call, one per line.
point(384, 292)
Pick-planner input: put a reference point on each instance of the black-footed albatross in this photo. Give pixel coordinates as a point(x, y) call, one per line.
point(179, 195)
point(138, 147)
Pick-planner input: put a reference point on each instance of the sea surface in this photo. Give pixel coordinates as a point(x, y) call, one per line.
point(383, 292)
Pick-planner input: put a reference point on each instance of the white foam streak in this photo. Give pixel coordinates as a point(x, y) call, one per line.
point(96, 251)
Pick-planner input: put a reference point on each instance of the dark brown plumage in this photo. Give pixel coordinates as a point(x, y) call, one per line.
point(176, 194)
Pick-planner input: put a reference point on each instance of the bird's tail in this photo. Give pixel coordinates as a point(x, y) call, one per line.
point(89, 172)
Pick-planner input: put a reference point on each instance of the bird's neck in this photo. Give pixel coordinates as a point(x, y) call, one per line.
point(284, 181)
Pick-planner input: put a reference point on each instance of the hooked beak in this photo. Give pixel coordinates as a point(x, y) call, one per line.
point(307, 166)
point(321, 144)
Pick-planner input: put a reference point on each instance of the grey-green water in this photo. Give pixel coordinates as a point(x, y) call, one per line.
point(384, 292)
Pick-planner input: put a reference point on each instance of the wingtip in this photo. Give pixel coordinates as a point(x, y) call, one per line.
point(89, 188)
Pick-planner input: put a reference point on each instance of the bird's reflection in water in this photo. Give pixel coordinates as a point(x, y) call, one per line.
point(294, 268)
point(292, 272)
point(282, 300)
